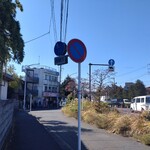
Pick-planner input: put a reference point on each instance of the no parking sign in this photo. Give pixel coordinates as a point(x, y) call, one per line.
point(77, 50)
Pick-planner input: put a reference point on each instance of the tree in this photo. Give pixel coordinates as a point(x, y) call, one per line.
point(98, 82)
point(14, 85)
point(11, 42)
point(137, 89)
point(68, 87)
point(140, 88)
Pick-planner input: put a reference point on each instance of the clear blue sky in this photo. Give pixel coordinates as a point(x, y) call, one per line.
point(110, 29)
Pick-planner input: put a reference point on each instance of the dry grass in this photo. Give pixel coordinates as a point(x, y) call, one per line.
point(99, 114)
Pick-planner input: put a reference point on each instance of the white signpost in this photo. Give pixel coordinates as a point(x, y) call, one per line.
point(77, 52)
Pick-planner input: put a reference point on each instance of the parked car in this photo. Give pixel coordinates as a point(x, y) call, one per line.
point(62, 102)
point(116, 102)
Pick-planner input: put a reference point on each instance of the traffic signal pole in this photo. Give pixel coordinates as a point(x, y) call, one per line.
point(90, 65)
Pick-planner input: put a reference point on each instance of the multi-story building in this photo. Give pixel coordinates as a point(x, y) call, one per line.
point(42, 83)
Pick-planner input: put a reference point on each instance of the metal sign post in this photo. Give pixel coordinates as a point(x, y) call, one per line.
point(79, 106)
point(77, 52)
point(30, 102)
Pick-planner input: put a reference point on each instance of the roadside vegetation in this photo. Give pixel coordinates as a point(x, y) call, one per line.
point(108, 118)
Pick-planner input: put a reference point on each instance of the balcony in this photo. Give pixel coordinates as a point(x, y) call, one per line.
point(34, 92)
point(32, 79)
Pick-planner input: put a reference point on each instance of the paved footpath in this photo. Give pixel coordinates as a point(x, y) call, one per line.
point(28, 134)
point(64, 130)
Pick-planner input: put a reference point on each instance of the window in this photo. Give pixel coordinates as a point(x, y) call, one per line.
point(147, 99)
point(142, 100)
point(138, 100)
point(133, 101)
point(46, 77)
point(53, 89)
point(46, 88)
point(50, 89)
point(50, 78)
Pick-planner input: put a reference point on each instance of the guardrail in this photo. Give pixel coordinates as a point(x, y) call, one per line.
point(6, 117)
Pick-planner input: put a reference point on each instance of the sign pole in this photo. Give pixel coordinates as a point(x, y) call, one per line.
point(79, 106)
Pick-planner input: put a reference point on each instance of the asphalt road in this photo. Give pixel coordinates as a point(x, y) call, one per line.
point(64, 130)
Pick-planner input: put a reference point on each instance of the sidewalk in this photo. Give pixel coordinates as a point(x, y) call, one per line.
point(30, 135)
point(51, 130)
point(64, 130)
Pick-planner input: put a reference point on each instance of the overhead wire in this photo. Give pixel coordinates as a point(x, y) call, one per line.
point(42, 35)
point(64, 10)
point(131, 71)
point(66, 22)
point(53, 19)
point(61, 19)
point(63, 22)
point(37, 37)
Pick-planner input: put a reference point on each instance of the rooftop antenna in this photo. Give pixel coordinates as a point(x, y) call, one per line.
point(39, 60)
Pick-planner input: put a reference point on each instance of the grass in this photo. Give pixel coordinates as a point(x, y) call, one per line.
point(101, 115)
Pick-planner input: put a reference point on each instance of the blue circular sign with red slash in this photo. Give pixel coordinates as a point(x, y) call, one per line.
point(77, 50)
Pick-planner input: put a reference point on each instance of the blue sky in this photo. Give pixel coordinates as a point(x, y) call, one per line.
point(110, 29)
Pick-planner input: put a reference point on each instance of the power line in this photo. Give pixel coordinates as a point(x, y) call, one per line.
point(37, 37)
point(132, 71)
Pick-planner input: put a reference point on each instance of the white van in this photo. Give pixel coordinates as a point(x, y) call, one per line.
point(140, 103)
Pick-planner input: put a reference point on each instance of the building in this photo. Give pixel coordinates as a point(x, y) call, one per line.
point(42, 84)
point(4, 86)
point(128, 85)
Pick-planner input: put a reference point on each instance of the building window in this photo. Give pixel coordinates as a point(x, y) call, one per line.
point(50, 78)
point(46, 77)
point(46, 88)
point(50, 89)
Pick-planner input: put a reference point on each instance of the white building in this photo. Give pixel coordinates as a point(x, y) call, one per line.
point(42, 83)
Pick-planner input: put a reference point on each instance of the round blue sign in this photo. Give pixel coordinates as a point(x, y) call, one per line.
point(111, 62)
point(60, 48)
point(76, 50)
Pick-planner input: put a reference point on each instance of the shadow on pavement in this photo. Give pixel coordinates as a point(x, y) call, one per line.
point(65, 134)
point(29, 134)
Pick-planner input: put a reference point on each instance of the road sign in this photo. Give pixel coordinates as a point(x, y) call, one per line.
point(77, 50)
point(111, 68)
point(61, 60)
point(60, 48)
point(111, 62)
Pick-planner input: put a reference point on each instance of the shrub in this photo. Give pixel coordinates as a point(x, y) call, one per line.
point(112, 116)
point(71, 109)
point(145, 115)
point(102, 121)
point(139, 126)
point(89, 116)
point(122, 125)
point(145, 139)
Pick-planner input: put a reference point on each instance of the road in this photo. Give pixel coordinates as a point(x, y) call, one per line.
point(64, 130)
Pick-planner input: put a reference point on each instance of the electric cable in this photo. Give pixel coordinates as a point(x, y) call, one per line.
point(37, 37)
point(66, 22)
